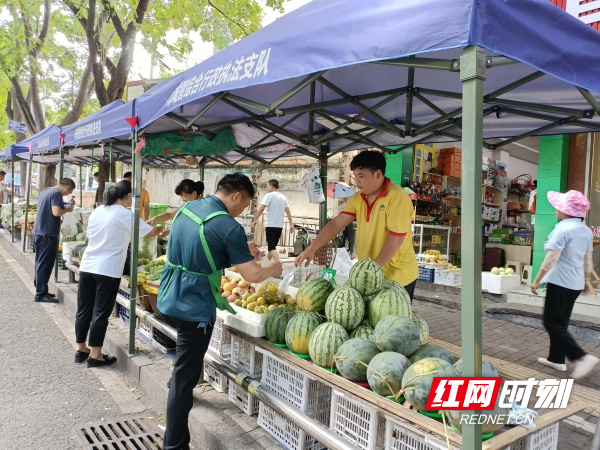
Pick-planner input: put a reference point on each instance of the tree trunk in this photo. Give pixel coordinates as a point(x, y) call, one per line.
point(103, 172)
point(48, 176)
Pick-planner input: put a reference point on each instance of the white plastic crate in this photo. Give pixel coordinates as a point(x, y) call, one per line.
point(400, 435)
point(293, 385)
point(145, 329)
point(242, 399)
point(288, 435)
point(544, 439)
point(245, 358)
point(357, 421)
point(216, 379)
point(220, 341)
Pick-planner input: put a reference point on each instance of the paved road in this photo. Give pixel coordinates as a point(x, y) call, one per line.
point(44, 394)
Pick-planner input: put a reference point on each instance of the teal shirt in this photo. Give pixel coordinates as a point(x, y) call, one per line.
point(188, 296)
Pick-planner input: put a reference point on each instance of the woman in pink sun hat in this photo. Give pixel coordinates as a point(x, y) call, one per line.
point(566, 270)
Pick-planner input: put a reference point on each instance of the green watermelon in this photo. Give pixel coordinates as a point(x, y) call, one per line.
point(423, 327)
point(324, 343)
point(391, 284)
point(432, 351)
point(352, 356)
point(487, 427)
point(487, 368)
point(389, 302)
point(276, 323)
point(366, 277)
point(385, 372)
point(346, 307)
point(363, 331)
point(299, 329)
point(416, 385)
point(397, 334)
point(313, 294)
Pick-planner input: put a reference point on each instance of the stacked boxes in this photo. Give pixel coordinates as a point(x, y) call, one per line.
point(500, 236)
point(450, 162)
point(523, 238)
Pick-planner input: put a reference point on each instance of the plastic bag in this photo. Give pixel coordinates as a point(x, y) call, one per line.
point(311, 181)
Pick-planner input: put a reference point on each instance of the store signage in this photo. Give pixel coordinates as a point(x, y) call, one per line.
point(88, 130)
point(595, 231)
point(43, 142)
point(18, 127)
point(588, 13)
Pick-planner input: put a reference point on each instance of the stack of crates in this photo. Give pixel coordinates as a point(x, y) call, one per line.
point(246, 359)
point(311, 396)
point(426, 274)
point(450, 162)
point(220, 346)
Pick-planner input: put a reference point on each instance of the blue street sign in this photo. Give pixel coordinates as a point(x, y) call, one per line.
point(18, 127)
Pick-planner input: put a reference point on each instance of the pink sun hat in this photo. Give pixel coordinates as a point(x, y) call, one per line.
point(571, 203)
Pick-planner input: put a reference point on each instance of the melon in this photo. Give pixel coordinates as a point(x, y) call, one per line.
point(385, 372)
point(432, 351)
point(324, 343)
point(422, 326)
point(313, 294)
point(391, 284)
point(487, 368)
point(416, 385)
point(363, 331)
point(366, 277)
point(276, 324)
point(389, 302)
point(346, 307)
point(353, 356)
point(397, 334)
point(299, 329)
point(487, 426)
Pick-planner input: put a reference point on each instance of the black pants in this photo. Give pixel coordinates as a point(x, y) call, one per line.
point(410, 288)
point(192, 343)
point(273, 235)
point(557, 313)
point(96, 296)
point(45, 248)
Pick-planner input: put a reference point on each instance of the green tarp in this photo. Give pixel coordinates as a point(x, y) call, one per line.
point(182, 143)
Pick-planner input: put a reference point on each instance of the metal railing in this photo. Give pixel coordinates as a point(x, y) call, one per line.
point(287, 237)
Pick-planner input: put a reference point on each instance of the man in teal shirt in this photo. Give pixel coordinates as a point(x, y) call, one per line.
point(205, 238)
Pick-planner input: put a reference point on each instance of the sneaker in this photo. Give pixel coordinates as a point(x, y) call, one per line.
point(555, 366)
point(584, 366)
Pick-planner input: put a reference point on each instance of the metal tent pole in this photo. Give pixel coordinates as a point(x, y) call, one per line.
point(61, 169)
point(12, 203)
point(472, 76)
point(135, 224)
point(323, 174)
point(24, 238)
point(81, 186)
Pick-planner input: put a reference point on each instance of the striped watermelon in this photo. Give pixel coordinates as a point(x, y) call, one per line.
point(487, 368)
point(346, 307)
point(385, 372)
point(416, 385)
point(423, 327)
point(391, 284)
point(299, 329)
point(389, 302)
point(276, 323)
point(366, 277)
point(397, 334)
point(353, 356)
point(363, 331)
point(324, 343)
point(432, 351)
point(313, 294)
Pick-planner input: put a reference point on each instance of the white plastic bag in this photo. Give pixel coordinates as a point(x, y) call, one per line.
point(311, 181)
point(342, 262)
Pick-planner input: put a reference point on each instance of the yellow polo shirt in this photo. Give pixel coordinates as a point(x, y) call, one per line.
point(144, 200)
point(390, 214)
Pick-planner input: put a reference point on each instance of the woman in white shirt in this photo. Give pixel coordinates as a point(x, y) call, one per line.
point(109, 233)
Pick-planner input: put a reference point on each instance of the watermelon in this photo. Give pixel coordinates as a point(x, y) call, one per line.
point(391, 284)
point(389, 302)
point(346, 307)
point(299, 329)
point(423, 327)
point(363, 331)
point(397, 334)
point(324, 343)
point(432, 351)
point(487, 368)
point(416, 386)
point(313, 294)
point(488, 426)
point(276, 323)
point(352, 356)
point(385, 372)
point(366, 277)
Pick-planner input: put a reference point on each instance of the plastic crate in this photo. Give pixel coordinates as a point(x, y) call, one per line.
point(242, 399)
point(357, 421)
point(288, 382)
point(220, 341)
point(162, 342)
point(400, 435)
point(426, 274)
point(215, 378)
point(288, 435)
point(17, 234)
point(146, 329)
point(123, 313)
point(544, 439)
point(124, 293)
point(245, 358)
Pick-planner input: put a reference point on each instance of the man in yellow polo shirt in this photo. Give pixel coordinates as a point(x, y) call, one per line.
point(144, 199)
point(382, 211)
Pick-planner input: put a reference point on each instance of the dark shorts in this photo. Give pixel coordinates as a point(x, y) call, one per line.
point(273, 235)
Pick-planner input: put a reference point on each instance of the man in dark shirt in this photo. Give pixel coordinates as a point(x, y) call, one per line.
point(50, 208)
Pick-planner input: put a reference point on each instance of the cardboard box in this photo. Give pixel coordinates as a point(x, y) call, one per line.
point(451, 151)
point(448, 159)
point(523, 238)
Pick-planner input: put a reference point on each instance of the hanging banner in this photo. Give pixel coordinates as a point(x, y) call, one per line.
point(179, 144)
